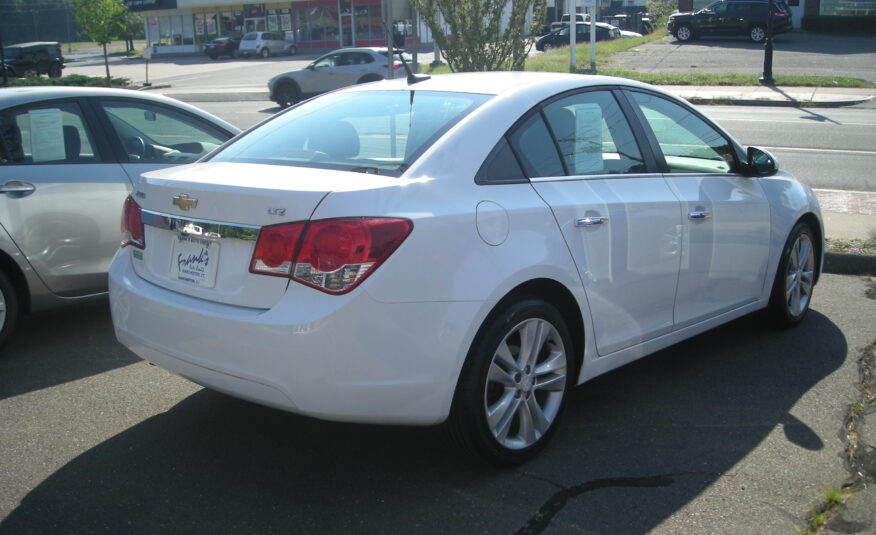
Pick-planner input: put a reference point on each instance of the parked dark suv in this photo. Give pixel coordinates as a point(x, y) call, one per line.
point(25, 59)
point(731, 17)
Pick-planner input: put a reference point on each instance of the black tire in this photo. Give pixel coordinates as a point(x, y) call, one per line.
point(287, 94)
point(757, 33)
point(293, 50)
point(8, 308)
point(684, 33)
point(55, 70)
point(526, 403)
point(213, 56)
point(547, 47)
point(266, 53)
point(795, 278)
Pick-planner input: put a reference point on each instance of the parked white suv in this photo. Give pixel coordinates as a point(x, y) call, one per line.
point(265, 44)
point(580, 18)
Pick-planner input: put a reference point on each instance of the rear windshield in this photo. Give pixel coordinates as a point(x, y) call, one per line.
point(380, 132)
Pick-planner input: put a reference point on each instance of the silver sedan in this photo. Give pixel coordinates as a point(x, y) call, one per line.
point(67, 159)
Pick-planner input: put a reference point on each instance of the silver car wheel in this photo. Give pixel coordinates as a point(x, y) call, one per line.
point(757, 34)
point(684, 33)
point(800, 277)
point(526, 384)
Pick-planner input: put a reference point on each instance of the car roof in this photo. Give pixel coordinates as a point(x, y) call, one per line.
point(505, 83)
point(16, 96)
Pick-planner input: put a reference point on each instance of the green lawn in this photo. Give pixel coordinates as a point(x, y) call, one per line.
point(557, 60)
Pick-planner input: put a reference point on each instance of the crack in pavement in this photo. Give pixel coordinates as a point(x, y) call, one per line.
point(540, 521)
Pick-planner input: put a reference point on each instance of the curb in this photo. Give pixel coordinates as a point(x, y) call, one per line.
point(849, 264)
point(777, 103)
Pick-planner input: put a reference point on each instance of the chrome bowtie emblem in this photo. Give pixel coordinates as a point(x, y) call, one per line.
point(184, 201)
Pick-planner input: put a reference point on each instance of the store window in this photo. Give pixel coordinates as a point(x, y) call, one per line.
point(317, 23)
point(171, 30)
point(369, 24)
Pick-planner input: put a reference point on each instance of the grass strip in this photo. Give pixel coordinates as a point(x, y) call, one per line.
point(557, 60)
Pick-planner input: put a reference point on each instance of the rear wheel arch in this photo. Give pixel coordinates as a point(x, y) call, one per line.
point(540, 303)
point(554, 293)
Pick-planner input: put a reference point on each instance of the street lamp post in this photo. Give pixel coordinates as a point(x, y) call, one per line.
point(767, 78)
point(3, 64)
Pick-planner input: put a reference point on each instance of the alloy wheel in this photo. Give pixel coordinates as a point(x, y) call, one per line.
point(757, 34)
point(526, 383)
point(800, 276)
point(683, 34)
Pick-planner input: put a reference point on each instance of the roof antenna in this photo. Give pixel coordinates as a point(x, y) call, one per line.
point(412, 78)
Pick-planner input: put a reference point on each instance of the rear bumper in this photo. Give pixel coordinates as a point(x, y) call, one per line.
point(347, 358)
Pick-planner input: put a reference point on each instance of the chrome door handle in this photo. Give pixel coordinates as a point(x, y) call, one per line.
point(17, 186)
point(591, 221)
point(699, 214)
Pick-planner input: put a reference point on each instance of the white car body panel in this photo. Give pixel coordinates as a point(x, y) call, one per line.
point(391, 350)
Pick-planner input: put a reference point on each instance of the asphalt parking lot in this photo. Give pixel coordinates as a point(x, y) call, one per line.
point(735, 431)
point(795, 53)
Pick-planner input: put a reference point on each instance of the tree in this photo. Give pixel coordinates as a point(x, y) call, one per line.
point(100, 21)
point(132, 26)
point(481, 35)
point(660, 11)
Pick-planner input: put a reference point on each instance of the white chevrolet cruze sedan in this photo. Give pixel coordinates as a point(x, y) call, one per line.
point(464, 249)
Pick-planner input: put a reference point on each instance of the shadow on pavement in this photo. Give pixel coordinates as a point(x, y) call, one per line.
point(635, 446)
point(56, 347)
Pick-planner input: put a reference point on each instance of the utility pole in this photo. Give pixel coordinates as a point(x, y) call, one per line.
point(3, 64)
point(390, 45)
point(593, 14)
point(767, 78)
point(573, 35)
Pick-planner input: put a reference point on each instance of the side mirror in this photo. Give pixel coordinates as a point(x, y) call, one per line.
point(149, 116)
point(761, 163)
point(311, 67)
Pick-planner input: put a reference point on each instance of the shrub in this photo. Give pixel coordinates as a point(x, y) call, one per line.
point(73, 79)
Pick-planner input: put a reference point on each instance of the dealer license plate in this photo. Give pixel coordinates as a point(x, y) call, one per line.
point(194, 260)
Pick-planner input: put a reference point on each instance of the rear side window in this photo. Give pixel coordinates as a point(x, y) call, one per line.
point(532, 142)
point(381, 132)
point(46, 133)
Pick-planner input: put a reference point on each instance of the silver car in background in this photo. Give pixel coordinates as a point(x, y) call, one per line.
point(265, 44)
point(339, 68)
point(67, 159)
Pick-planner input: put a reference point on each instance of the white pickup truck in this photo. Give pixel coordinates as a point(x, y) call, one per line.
point(580, 18)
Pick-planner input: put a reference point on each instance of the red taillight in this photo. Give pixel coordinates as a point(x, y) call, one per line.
point(275, 249)
point(132, 225)
point(334, 255)
point(396, 66)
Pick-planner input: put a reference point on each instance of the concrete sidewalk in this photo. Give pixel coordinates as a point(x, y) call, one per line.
point(739, 95)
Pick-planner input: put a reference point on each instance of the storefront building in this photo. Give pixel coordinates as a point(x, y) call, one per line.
point(184, 26)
